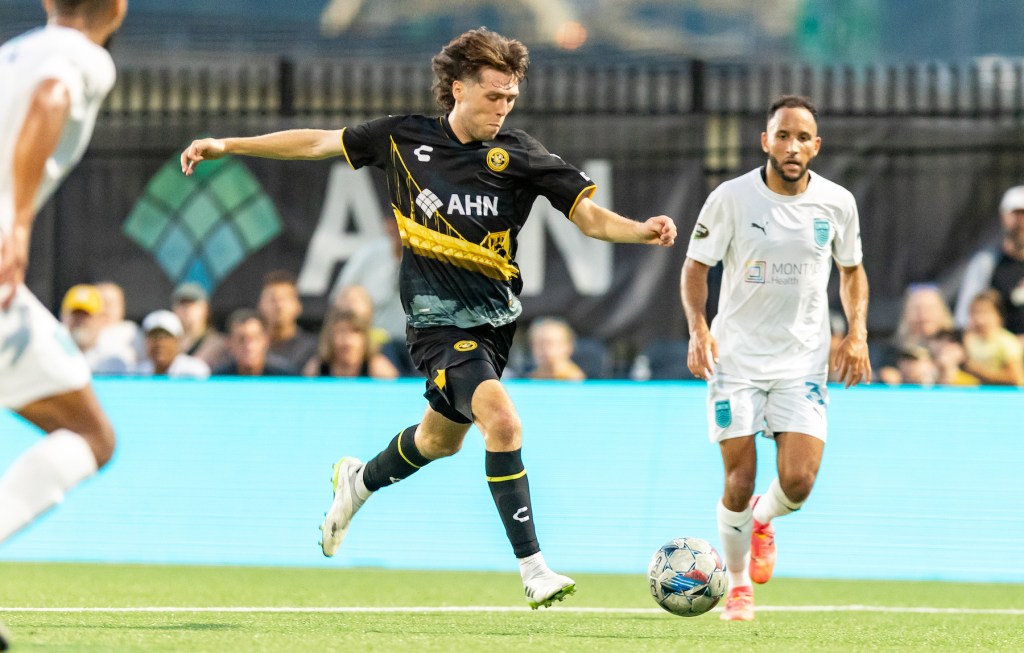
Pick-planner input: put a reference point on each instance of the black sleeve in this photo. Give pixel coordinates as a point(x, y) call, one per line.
point(369, 143)
point(561, 183)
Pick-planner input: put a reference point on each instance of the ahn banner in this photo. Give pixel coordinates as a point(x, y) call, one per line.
point(128, 215)
point(238, 218)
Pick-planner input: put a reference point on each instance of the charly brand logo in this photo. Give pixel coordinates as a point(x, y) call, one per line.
point(202, 227)
point(497, 159)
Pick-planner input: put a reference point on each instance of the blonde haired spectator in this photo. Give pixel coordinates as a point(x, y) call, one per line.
point(925, 315)
point(347, 350)
point(118, 337)
point(552, 342)
point(994, 355)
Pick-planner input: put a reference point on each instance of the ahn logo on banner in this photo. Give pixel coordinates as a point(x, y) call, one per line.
point(200, 228)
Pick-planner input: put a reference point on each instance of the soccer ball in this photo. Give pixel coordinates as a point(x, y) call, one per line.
point(687, 577)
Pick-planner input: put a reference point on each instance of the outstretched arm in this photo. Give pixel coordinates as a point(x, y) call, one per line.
point(603, 224)
point(852, 362)
point(38, 138)
point(293, 144)
point(703, 349)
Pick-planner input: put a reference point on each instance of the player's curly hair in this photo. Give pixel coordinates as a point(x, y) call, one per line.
point(467, 54)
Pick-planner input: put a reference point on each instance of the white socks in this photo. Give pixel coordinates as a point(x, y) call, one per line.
point(532, 566)
point(359, 489)
point(774, 503)
point(734, 529)
point(38, 480)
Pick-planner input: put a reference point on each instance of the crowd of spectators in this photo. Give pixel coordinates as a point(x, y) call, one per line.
point(362, 334)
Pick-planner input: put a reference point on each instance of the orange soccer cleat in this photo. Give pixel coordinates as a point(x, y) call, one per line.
point(740, 606)
point(762, 550)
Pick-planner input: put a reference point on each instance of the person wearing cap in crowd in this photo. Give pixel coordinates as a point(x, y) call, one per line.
point(1000, 267)
point(81, 312)
point(191, 304)
point(163, 349)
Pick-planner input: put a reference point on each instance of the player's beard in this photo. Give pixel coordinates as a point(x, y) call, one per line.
point(779, 170)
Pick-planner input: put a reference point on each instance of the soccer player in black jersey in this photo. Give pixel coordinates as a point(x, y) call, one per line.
point(461, 188)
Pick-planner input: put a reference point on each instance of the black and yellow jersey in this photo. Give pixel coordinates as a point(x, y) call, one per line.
point(460, 207)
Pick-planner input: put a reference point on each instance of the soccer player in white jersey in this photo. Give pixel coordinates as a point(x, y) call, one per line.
point(53, 81)
point(777, 230)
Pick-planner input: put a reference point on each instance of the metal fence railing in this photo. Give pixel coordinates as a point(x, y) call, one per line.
point(989, 87)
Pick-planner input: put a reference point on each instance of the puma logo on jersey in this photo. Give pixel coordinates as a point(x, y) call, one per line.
point(479, 205)
point(759, 226)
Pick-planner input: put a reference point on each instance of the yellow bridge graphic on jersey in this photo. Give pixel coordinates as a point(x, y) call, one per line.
point(438, 239)
point(458, 251)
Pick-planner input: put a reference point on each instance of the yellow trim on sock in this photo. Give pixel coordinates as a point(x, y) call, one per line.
point(499, 479)
point(402, 453)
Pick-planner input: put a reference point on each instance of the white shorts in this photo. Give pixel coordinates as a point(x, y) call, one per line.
point(739, 407)
point(38, 358)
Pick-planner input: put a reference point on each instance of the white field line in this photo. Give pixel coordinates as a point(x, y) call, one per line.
point(505, 608)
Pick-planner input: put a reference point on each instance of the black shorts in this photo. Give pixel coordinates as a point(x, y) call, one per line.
point(455, 361)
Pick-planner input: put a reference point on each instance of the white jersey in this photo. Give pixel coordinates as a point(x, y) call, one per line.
point(777, 253)
point(85, 69)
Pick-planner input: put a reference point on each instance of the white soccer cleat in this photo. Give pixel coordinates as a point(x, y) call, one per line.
point(546, 588)
point(344, 506)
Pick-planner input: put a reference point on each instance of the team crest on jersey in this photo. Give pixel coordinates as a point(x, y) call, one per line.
point(723, 414)
point(497, 159)
point(465, 345)
point(821, 231)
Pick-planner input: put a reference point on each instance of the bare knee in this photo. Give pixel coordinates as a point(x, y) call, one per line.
point(739, 487)
point(797, 484)
point(503, 431)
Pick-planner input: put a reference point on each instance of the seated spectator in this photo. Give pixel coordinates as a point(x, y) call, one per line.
point(164, 357)
point(280, 307)
point(356, 299)
point(1000, 267)
point(81, 313)
point(249, 346)
point(119, 337)
point(346, 350)
point(374, 266)
point(948, 353)
point(994, 355)
point(925, 314)
point(192, 306)
point(916, 367)
point(551, 343)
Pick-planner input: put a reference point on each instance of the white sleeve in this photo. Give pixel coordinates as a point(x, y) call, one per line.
point(846, 246)
point(977, 277)
point(713, 232)
point(61, 68)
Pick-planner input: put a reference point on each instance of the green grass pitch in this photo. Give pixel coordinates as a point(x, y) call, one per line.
point(82, 608)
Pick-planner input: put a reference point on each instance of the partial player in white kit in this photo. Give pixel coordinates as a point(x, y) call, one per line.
point(777, 230)
point(54, 80)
